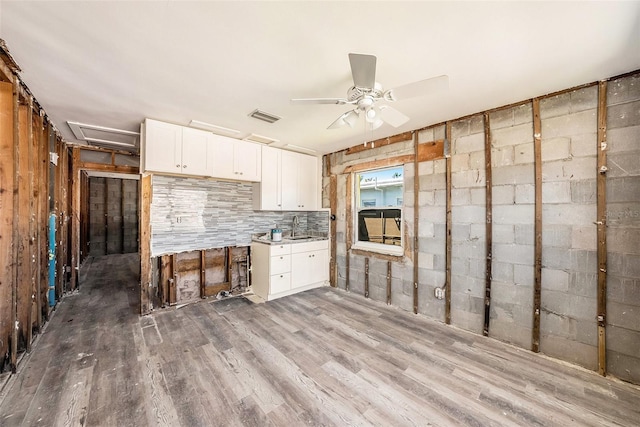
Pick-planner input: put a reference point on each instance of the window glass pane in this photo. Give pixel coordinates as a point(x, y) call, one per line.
point(379, 196)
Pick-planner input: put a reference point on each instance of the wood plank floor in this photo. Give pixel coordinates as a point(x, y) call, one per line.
point(323, 357)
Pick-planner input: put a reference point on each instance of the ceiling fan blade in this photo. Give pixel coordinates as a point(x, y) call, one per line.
point(363, 69)
point(346, 119)
point(392, 116)
point(419, 88)
point(301, 101)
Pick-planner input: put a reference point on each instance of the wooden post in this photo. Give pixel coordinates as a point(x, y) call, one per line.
point(489, 210)
point(203, 278)
point(145, 244)
point(333, 203)
point(44, 212)
point(416, 202)
point(601, 189)
point(366, 277)
point(15, 229)
point(22, 226)
point(173, 282)
point(75, 220)
point(537, 229)
point(389, 282)
point(448, 243)
point(349, 226)
point(40, 219)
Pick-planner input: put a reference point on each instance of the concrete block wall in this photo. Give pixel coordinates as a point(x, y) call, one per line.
point(623, 231)
point(468, 232)
point(432, 214)
point(113, 216)
point(568, 326)
point(512, 170)
point(569, 234)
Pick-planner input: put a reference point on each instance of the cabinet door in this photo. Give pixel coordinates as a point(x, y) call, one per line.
point(163, 147)
point(319, 266)
point(301, 269)
point(195, 146)
point(289, 177)
point(270, 192)
point(307, 183)
point(221, 157)
point(247, 161)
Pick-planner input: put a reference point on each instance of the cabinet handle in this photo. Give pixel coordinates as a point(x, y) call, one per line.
point(177, 166)
point(184, 166)
point(280, 257)
point(281, 276)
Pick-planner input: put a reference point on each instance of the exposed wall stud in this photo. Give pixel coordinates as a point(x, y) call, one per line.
point(537, 266)
point(366, 277)
point(489, 222)
point(416, 201)
point(145, 244)
point(448, 243)
point(389, 282)
point(601, 188)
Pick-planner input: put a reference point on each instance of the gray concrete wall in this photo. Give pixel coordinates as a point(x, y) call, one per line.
point(569, 257)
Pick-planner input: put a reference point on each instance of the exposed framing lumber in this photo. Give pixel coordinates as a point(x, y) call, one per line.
point(333, 207)
point(489, 225)
point(349, 226)
point(388, 282)
point(601, 191)
point(366, 277)
point(14, 230)
point(416, 202)
point(432, 150)
point(402, 137)
point(448, 243)
point(537, 228)
point(23, 228)
point(380, 163)
point(75, 219)
point(173, 285)
point(105, 202)
point(203, 274)
point(386, 257)
point(39, 230)
point(44, 206)
point(145, 244)
point(165, 275)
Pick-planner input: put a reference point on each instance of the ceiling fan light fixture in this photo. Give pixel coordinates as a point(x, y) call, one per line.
point(372, 114)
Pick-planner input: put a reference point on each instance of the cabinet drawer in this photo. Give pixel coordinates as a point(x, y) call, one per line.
point(284, 249)
point(280, 264)
point(280, 283)
point(309, 246)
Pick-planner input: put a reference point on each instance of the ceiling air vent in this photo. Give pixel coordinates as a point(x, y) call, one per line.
point(260, 139)
point(265, 117)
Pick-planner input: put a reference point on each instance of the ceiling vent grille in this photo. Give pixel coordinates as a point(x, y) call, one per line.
point(264, 116)
point(260, 139)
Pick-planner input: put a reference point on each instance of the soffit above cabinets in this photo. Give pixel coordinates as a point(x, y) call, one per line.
point(106, 137)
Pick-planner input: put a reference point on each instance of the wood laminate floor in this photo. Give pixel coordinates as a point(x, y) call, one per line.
point(323, 357)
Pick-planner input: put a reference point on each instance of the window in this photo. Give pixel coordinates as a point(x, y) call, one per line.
point(378, 201)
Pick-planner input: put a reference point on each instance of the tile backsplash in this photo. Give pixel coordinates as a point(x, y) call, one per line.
point(190, 214)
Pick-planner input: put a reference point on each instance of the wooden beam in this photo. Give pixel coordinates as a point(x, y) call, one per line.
point(601, 194)
point(33, 225)
point(349, 225)
point(333, 207)
point(489, 225)
point(389, 282)
point(405, 136)
point(380, 163)
point(366, 277)
point(230, 266)
point(448, 243)
point(537, 227)
point(203, 273)
point(173, 282)
point(416, 203)
point(15, 229)
point(65, 210)
point(22, 226)
point(101, 167)
point(165, 275)
point(75, 219)
point(45, 208)
point(430, 150)
point(145, 244)
point(40, 219)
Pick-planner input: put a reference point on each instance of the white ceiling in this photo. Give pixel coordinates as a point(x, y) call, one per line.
point(114, 63)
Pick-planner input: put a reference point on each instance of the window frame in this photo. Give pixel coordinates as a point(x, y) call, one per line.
point(382, 248)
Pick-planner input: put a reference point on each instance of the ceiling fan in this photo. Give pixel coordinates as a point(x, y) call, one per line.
point(366, 92)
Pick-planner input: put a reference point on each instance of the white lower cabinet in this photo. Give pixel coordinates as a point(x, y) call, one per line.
point(284, 269)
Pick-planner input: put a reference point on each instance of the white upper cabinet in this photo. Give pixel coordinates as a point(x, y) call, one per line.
point(162, 147)
point(182, 150)
point(236, 159)
point(289, 182)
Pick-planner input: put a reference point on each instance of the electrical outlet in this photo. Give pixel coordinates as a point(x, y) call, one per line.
point(439, 293)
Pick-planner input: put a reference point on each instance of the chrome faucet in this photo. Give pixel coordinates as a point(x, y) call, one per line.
point(296, 224)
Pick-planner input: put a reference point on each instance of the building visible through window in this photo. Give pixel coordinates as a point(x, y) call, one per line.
point(379, 195)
